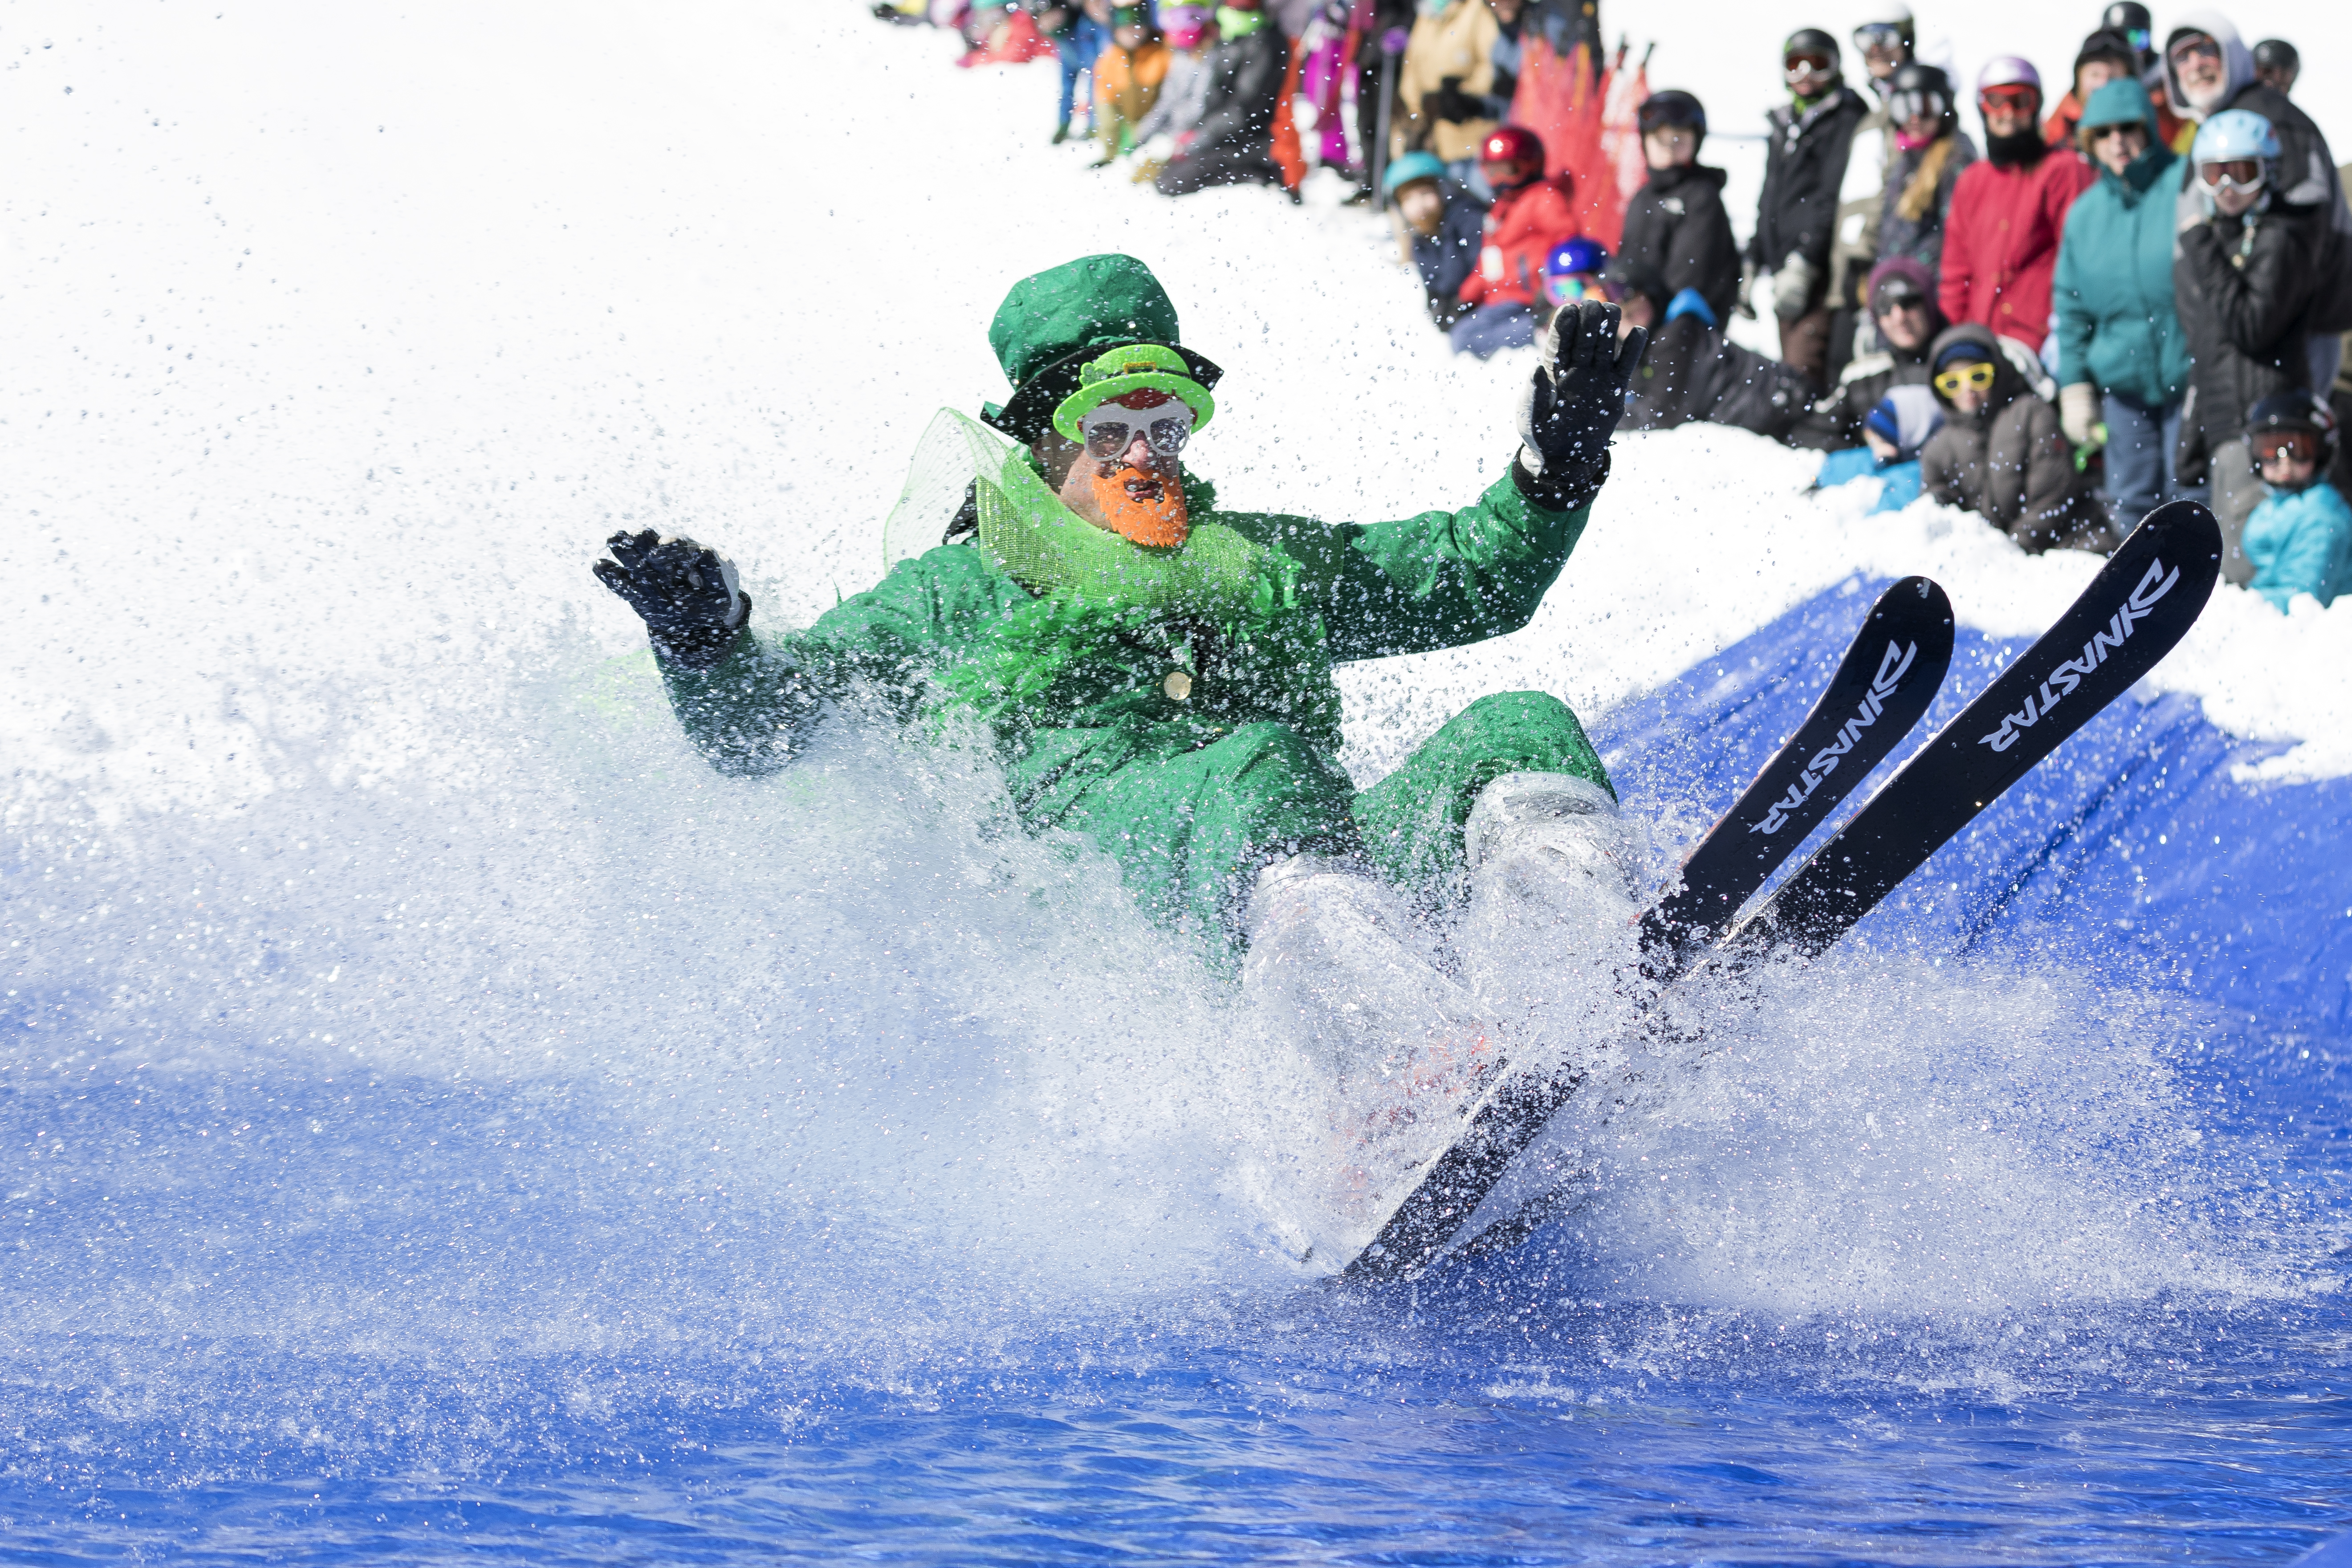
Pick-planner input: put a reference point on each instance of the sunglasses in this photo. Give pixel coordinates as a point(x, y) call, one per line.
point(1979, 375)
point(1802, 65)
point(2239, 173)
point(1111, 429)
point(1889, 302)
point(2121, 127)
point(2272, 445)
point(2010, 98)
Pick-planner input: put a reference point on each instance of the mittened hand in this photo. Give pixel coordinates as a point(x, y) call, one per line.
point(1572, 404)
point(687, 594)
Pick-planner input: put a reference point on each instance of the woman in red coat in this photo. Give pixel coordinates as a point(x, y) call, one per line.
point(2008, 212)
point(1530, 216)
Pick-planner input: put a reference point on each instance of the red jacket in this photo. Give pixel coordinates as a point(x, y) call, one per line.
point(1521, 228)
point(2000, 242)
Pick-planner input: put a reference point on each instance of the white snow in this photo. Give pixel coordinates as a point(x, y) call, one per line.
point(336, 340)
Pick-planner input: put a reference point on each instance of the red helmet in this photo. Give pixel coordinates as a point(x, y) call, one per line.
point(1512, 144)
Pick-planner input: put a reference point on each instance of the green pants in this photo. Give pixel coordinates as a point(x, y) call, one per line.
point(1189, 830)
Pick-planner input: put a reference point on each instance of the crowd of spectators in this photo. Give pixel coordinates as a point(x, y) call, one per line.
point(2055, 314)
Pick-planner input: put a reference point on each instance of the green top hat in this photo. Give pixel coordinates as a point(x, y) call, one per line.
point(1052, 327)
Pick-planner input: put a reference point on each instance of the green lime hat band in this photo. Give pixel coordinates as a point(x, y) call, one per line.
point(1137, 367)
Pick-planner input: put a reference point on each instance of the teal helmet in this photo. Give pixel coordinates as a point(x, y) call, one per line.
point(1411, 167)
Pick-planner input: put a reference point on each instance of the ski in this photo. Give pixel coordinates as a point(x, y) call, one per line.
point(1882, 687)
point(2137, 610)
point(1891, 672)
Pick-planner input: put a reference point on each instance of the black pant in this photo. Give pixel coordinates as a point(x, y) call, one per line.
point(1201, 167)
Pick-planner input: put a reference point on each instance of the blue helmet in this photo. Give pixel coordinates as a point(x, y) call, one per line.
point(1411, 166)
point(1577, 254)
point(2234, 133)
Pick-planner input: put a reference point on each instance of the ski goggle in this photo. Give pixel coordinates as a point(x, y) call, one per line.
point(1112, 428)
point(2237, 173)
point(1799, 67)
point(1978, 375)
point(1872, 37)
point(1908, 106)
point(2016, 98)
point(1569, 287)
point(2200, 47)
point(2272, 445)
point(2137, 39)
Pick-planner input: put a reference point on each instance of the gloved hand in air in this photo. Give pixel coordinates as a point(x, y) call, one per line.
point(1572, 404)
point(685, 592)
point(1793, 288)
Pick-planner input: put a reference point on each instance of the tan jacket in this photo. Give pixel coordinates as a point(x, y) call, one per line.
point(1458, 42)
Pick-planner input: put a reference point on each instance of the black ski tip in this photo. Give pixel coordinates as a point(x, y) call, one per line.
point(2194, 530)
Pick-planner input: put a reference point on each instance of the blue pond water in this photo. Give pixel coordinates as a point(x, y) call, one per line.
point(405, 1180)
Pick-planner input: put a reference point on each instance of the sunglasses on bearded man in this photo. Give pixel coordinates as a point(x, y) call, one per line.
point(1110, 428)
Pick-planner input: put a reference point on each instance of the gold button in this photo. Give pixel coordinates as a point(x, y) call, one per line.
point(1177, 685)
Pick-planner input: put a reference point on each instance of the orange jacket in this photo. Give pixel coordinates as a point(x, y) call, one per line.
point(1521, 228)
point(2059, 129)
point(1126, 82)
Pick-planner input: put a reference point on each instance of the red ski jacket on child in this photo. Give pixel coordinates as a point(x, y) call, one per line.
point(1521, 228)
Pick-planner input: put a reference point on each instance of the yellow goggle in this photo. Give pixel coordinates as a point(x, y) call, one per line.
point(1979, 375)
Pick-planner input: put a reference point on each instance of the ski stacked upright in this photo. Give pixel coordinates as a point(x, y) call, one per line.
point(2136, 611)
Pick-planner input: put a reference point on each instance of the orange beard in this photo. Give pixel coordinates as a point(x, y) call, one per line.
point(1142, 507)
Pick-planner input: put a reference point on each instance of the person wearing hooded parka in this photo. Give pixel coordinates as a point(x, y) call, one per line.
point(2123, 359)
point(2000, 453)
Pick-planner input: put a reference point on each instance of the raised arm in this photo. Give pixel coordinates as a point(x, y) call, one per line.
point(1442, 579)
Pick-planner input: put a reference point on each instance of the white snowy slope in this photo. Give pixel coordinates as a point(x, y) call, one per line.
point(337, 339)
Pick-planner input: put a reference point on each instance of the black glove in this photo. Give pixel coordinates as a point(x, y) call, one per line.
point(1572, 404)
point(1449, 102)
point(684, 591)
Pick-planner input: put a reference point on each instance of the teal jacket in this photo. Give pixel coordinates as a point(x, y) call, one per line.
point(2301, 543)
point(2117, 326)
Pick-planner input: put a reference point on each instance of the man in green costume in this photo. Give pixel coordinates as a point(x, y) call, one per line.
point(1157, 673)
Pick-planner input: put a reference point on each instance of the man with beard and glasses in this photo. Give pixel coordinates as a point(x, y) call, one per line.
point(2008, 212)
point(1154, 673)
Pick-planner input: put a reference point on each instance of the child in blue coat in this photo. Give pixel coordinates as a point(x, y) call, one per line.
point(1893, 432)
point(2300, 535)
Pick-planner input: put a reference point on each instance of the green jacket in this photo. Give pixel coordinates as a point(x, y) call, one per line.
point(2118, 328)
point(1074, 693)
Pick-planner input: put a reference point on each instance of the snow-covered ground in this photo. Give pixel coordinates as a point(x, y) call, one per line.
point(335, 340)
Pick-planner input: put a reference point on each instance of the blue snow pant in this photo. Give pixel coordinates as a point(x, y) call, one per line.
point(1490, 329)
point(2140, 473)
point(1078, 50)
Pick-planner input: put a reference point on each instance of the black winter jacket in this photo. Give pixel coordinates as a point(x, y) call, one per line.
point(1678, 224)
point(2242, 287)
point(1244, 89)
point(1834, 424)
point(1693, 372)
point(1804, 165)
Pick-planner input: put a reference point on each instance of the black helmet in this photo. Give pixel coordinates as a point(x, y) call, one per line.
point(2288, 412)
point(1812, 41)
point(2130, 18)
point(2278, 54)
point(1915, 90)
point(1673, 107)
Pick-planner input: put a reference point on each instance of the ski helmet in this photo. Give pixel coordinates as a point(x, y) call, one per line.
point(1673, 107)
point(2231, 135)
point(2279, 57)
point(1512, 144)
point(1916, 90)
point(1183, 25)
point(2130, 18)
point(1889, 23)
point(2009, 71)
point(2288, 413)
point(1577, 254)
point(1809, 42)
point(1408, 168)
